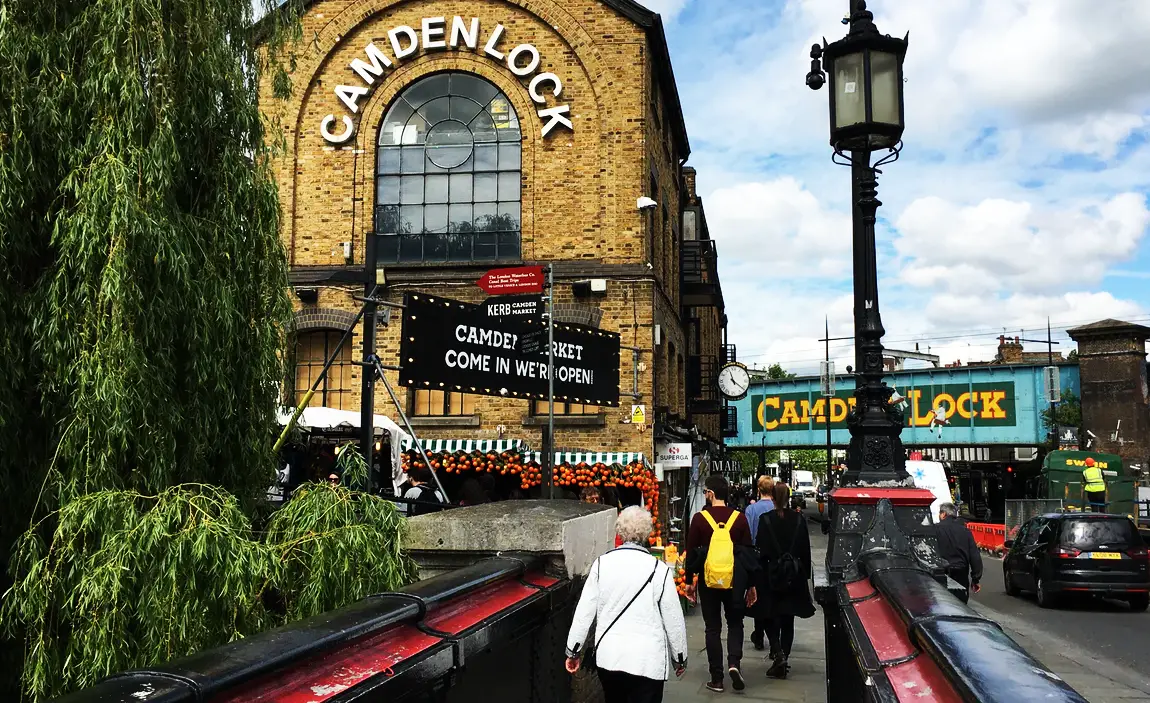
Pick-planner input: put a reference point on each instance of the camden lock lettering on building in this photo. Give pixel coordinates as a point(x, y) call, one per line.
point(454, 346)
point(444, 34)
point(965, 405)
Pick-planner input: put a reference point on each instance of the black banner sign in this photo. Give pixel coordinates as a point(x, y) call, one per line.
point(524, 308)
point(453, 346)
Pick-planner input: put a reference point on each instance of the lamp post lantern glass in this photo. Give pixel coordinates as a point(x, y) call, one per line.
point(865, 73)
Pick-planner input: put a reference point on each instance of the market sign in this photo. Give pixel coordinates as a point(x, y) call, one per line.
point(673, 455)
point(522, 308)
point(512, 281)
point(964, 405)
point(453, 346)
point(447, 34)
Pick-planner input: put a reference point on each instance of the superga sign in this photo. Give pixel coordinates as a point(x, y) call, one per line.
point(965, 405)
point(443, 34)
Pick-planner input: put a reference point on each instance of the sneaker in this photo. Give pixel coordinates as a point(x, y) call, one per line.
point(778, 669)
point(773, 654)
point(737, 682)
point(716, 686)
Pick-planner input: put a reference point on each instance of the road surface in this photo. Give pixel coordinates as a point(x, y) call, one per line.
point(1081, 628)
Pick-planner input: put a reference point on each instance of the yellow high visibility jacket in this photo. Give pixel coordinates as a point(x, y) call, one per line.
point(1093, 477)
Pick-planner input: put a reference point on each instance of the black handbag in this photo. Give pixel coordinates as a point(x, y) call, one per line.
point(589, 664)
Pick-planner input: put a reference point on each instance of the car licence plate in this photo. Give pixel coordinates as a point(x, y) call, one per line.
point(1105, 555)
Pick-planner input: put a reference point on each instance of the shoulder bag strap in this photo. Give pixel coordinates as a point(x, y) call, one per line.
point(795, 536)
point(707, 516)
point(774, 538)
point(626, 607)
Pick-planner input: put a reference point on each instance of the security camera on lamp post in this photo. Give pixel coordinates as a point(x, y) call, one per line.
point(864, 70)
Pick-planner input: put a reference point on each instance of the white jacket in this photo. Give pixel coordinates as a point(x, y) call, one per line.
point(650, 634)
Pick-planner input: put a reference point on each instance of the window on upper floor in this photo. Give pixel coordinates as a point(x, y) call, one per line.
point(449, 173)
point(311, 352)
point(442, 404)
point(539, 408)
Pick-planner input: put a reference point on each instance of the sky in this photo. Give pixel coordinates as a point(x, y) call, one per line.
point(1020, 193)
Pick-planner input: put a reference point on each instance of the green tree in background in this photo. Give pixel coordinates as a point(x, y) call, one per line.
point(776, 372)
point(1067, 413)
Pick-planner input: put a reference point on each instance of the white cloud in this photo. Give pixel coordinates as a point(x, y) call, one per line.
point(990, 220)
point(778, 223)
point(1008, 245)
point(1098, 135)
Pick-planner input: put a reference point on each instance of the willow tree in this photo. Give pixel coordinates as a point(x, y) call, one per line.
point(142, 281)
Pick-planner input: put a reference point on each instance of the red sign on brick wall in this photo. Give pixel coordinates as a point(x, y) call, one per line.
point(513, 281)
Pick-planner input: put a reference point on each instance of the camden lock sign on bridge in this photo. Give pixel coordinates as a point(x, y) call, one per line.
point(455, 346)
point(981, 405)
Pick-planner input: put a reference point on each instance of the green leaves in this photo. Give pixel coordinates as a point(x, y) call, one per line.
point(126, 580)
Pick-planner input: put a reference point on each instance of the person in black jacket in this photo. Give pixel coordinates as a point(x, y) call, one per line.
point(956, 546)
point(782, 540)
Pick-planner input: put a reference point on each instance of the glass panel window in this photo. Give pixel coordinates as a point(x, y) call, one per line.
point(450, 155)
point(486, 187)
point(442, 404)
point(849, 90)
point(565, 408)
point(311, 352)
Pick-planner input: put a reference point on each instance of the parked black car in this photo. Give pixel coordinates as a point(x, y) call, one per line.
point(1086, 553)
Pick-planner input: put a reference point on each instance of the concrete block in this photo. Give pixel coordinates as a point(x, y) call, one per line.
point(574, 533)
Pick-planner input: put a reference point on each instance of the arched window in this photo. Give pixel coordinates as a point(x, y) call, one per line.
point(449, 173)
point(311, 351)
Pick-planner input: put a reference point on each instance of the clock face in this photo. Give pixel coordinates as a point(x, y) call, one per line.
point(734, 380)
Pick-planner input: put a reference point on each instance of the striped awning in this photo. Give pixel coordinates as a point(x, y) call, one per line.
point(608, 458)
point(437, 446)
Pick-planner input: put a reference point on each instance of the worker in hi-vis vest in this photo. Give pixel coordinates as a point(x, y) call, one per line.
point(1094, 484)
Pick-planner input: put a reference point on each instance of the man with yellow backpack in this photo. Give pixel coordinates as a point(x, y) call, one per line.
point(718, 529)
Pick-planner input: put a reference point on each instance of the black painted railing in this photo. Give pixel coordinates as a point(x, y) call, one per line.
point(219, 673)
point(894, 626)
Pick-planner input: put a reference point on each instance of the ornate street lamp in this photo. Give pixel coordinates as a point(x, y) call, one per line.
point(866, 116)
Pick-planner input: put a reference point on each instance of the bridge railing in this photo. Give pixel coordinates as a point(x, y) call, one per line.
point(895, 631)
point(383, 647)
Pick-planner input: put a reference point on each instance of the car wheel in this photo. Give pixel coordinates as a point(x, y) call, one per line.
point(1138, 603)
point(1045, 598)
point(1008, 580)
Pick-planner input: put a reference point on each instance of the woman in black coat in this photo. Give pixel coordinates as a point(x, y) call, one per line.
point(780, 533)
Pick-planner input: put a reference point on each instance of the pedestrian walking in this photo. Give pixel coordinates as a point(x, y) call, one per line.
point(784, 545)
point(957, 548)
point(422, 490)
point(718, 530)
point(630, 604)
point(763, 624)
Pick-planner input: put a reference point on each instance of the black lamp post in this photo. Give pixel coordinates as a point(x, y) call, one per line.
point(866, 114)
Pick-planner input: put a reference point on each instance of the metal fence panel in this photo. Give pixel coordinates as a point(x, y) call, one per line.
point(1019, 511)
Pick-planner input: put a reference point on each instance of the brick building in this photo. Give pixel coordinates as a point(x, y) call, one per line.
point(446, 137)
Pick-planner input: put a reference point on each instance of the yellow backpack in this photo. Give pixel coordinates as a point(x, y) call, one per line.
point(719, 569)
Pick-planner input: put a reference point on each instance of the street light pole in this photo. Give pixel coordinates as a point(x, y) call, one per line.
point(866, 110)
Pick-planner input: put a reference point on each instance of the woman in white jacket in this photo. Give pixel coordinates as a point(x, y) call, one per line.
point(639, 634)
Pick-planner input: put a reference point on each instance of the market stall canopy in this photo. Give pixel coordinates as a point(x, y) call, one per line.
point(320, 418)
point(437, 446)
point(608, 458)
